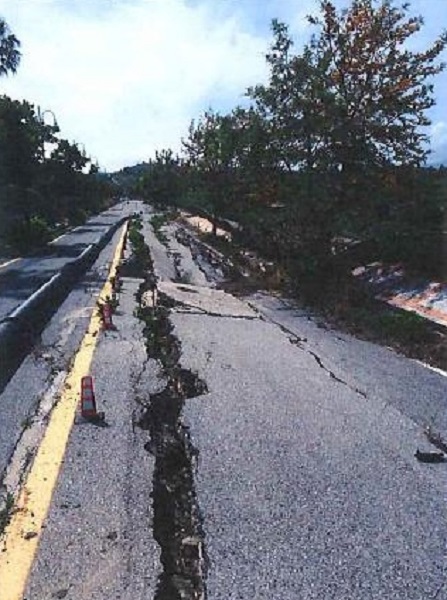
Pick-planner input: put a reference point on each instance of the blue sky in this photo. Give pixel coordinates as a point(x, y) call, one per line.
point(125, 77)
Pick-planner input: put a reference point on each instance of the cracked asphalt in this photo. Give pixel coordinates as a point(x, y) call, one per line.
point(51, 355)
point(306, 478)
point(100, 519)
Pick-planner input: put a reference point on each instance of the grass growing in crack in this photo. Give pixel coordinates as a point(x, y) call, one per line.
point(157, 332)
point(136, 222)
point(27, 422)
point(185, 277)
point(6, 511)
point(140, 261)
point(157, 222)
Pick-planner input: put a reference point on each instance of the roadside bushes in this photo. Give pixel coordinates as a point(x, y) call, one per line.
point(29, 234)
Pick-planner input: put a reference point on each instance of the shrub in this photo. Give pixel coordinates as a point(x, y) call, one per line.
point(28, 235)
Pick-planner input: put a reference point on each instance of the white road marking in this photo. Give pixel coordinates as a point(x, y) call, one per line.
point(435, 369)
point(9, 262)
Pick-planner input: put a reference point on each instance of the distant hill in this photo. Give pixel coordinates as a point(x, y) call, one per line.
point(127, 177)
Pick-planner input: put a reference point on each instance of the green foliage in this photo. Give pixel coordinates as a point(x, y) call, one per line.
point(401, 327)
point(21, 136)
point(77, 215)
point(377, 89)
point(29, 234)
point(157, 222)
point(161, 182)
point(347, 113)
point(68, 157)
point(140, 262)
point(39, 192)
point(6, 511)
point(9, 50)
point(331, 149)
point(51, 188)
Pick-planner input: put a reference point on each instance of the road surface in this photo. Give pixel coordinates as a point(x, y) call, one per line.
point(304, 474)
point(21, 277)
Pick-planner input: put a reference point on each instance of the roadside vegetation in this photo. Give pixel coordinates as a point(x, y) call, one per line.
point(326, 169)
point(6, 509)
point(47, 183)
point(352, 309)
point(140, 262)
point(158, 221)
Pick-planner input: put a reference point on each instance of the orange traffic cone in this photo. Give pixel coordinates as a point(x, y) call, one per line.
point(88, 402)
point(107, 316)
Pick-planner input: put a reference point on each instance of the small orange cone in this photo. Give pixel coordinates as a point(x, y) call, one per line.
point(88, 402)
point(107, 316)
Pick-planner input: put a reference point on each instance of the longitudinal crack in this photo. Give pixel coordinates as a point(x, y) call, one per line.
point(177, 522)
point(332, 374)
point(202, 311)
point(300, 343)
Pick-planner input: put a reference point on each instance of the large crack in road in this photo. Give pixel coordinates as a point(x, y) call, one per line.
point(315, 425)
point(177, 522)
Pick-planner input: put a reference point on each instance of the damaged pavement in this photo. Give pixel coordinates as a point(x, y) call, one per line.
point(307, 480)
point(248, 453)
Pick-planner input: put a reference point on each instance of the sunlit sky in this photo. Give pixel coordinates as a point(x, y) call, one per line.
point(125, 77)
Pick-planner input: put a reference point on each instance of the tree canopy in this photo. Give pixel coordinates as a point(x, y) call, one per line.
point(334, 141)
point(9, 50)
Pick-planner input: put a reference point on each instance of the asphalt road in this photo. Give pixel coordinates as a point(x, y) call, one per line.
point(20, 278)
point(100, 519)
point(307, 481)
point(39, 375)
point(306, 478)
point(308, 489)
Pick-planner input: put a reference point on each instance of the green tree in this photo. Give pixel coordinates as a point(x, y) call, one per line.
point(380, 89)
point(9, 50)
point(21, 142)
point(379, 92)
point(344, 113)
point(211, 149)
point(38, 191)
point(161, 182)
point(289, 103)
point(69, 157)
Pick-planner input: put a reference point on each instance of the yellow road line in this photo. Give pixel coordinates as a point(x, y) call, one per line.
point(22, 535)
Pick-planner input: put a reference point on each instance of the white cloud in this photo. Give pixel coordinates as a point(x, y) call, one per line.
point(438, 136)
point(439, 132)
point(127, 78)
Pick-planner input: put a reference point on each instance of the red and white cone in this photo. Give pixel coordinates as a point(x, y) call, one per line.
point(88, 401)
point(107, 316)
